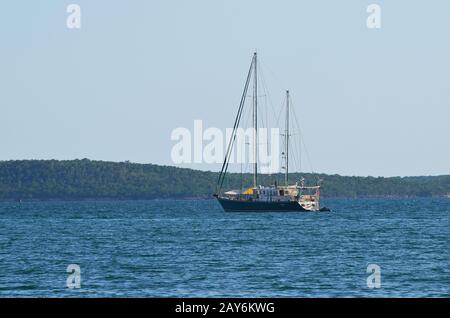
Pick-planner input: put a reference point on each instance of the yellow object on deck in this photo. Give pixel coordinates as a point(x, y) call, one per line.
point(248, 191)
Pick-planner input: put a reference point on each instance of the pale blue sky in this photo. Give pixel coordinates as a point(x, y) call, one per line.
point(379, 100)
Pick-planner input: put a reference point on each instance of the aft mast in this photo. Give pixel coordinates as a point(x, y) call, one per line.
point(255, 120)
point(286, 136)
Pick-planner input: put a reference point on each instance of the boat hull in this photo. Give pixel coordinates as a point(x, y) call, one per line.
point(258, 206)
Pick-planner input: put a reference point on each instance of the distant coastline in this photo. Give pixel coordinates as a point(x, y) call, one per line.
point(99, 200)
point(87, 180)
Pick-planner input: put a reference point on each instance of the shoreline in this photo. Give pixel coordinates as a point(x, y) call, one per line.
point(374, 197)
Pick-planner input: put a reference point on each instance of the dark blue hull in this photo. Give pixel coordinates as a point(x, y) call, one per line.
point(255, 206)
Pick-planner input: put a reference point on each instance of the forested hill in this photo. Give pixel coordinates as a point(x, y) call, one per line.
point(86, 179)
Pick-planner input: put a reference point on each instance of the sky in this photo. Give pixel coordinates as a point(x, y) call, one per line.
point(370, 101)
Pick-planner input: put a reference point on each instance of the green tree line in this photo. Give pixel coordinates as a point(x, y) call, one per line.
point(87, 179)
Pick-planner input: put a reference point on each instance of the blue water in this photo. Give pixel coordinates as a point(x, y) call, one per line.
point(192, 248)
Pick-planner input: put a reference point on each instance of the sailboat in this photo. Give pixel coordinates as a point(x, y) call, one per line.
point(259, 198)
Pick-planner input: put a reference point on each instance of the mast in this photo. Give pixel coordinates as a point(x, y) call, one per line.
point(226, 161)
point(255, 121)
point(286, 136)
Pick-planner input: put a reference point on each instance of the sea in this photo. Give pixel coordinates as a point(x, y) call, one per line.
point(191, 248)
